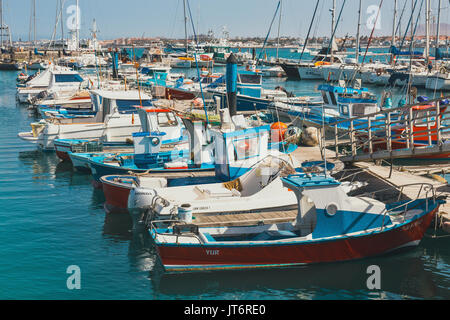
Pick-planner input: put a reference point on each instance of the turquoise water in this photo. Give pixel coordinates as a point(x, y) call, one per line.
point(51, 218)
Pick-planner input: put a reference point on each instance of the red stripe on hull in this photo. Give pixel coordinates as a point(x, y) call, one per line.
point(116, 197)
point(325, 251)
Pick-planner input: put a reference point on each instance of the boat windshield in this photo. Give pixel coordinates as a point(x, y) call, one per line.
point(128, 106)
point(68, 78)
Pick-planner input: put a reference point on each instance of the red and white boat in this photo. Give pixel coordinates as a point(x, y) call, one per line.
point(330, 227)
point(424, 128)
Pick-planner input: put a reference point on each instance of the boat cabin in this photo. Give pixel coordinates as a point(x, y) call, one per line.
point(161, 120)
point(325, 209)
point(106, 102)
point(236, 151)
point(349, 102)
point(249, 83)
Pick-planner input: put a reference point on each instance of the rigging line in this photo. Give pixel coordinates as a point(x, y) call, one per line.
point(56, 25)
point(196, 63)
point(335, 28)
point(408, 25)
point(268, 33)
point(175, 18)
point(318, 20)
point(411, 46)
point(401, 16)
point(373, 30)
point(309, 30)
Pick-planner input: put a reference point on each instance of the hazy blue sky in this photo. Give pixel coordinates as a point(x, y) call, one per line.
point(126, 18)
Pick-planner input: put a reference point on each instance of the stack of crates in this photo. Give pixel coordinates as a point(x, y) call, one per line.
point(87, 146)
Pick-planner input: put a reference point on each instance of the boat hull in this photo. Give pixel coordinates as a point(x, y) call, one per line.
point(116, 195)
point(279, 254)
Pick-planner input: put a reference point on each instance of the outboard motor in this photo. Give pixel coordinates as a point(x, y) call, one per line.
point(140, 200)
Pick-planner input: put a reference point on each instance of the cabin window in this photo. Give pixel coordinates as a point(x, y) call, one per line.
point(106, 107)
point(250, 78)
point(333, 98)
point(128, 106)
point(245, 148)
point(68, 78)
point(166, 119)
point(95, 102)
point(361, 110)
point(344, 110)
point(325, 98)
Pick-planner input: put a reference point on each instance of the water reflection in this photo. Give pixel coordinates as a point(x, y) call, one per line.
point(403, 275)
point(118, 226)
point(41, 163)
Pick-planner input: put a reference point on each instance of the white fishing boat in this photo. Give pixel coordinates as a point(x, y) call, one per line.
point(37, 65)
point(438, 81)
point(55, 79)
point(114, 119)
point(258, 189)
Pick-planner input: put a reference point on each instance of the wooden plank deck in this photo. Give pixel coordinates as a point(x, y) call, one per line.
point(243, 219)
point(398, 178)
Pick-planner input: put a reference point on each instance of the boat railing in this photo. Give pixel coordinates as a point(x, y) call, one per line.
point(425, 193)
point(400, 132)
point(193, 232)
point(349, 174)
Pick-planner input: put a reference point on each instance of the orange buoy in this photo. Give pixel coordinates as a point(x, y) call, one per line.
point(277, 131)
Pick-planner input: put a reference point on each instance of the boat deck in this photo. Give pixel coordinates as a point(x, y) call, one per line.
point(243, 219)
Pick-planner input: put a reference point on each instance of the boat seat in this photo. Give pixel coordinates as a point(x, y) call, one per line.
point(208, 237)
point(274, 235)
point(217, 191)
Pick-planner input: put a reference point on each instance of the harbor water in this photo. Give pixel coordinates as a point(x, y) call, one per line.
point(52, 218)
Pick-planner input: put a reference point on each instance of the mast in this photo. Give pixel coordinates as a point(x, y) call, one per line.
point(1, 22)
point(394, 23)
point(279, 26)
point(412, 19)
point(438, 26)
point(427, 28)
point(357, 32)
point(185, 27)
point(333, 10)
point(77, 34)
point(62, 24)
point(34, 23)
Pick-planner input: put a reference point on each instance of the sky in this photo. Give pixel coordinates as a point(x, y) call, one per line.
point(164, 18)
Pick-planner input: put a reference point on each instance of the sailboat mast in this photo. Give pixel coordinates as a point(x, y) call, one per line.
point(62, 24)
point(427, 28)
point(78, 27)
point(357, 32)
point(394, 24)
point(185, 27)
point(438, 26)
point(279, 26)
point(333, 10)
point(34, 23)
point(1, 22)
